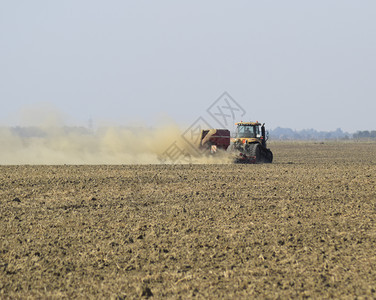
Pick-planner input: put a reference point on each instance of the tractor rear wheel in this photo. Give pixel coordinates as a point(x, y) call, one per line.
point(269, 156)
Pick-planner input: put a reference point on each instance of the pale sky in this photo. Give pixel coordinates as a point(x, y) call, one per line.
point(297, 64)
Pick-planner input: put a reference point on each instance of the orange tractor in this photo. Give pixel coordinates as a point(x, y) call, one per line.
point(248, 145)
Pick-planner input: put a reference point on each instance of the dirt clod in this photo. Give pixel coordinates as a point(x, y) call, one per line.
point(146, 292)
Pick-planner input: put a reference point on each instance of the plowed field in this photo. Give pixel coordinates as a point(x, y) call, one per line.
point(303, 226)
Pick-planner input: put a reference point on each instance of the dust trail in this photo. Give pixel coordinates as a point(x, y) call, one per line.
point(111, 145)
point(59, 145)
point(44, 139)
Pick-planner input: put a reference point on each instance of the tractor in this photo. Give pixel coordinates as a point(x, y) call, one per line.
point(249, 143)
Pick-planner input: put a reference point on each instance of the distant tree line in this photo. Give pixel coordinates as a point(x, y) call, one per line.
point(365, 134)
point(275, 134)
point(312, 134)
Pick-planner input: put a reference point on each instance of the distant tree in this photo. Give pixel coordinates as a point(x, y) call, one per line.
point(307, 134)
point(365, 134)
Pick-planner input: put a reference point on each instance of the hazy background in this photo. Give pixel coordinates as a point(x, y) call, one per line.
point(297, 64)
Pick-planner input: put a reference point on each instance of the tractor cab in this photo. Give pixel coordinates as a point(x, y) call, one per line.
point(248, 130)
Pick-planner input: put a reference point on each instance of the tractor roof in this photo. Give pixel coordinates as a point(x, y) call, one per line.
point(248, 123)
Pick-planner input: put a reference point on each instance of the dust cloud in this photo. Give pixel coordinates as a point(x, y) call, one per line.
point(62, 145)
point(43, 139)
point(107, 145)
point(58, 145)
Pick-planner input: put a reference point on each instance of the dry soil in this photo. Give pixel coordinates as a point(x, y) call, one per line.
point(302, 227)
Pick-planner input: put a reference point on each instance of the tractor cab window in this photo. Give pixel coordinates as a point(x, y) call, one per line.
point(248, 131)
point(257, 131)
